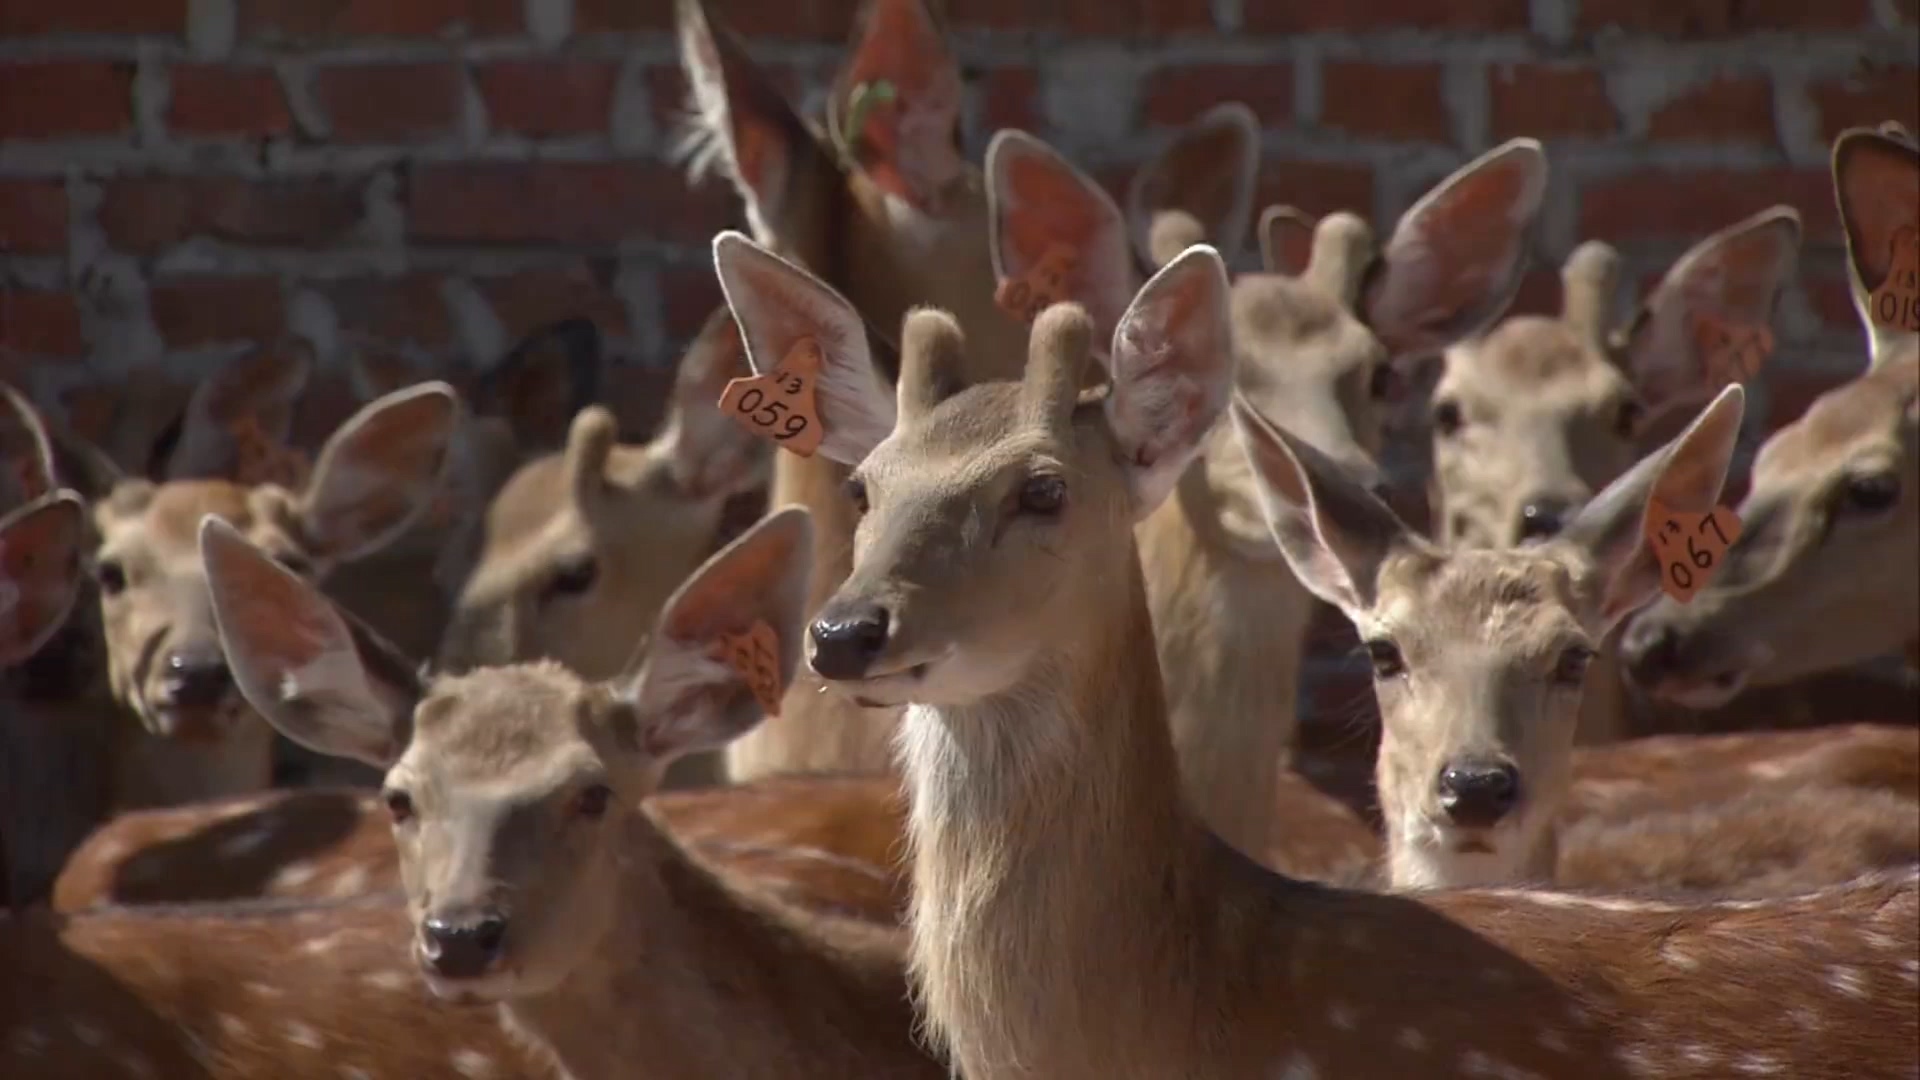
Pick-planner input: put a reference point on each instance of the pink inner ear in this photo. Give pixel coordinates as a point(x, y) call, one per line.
point(1048, 207)
point(1877, 184)
point(906, 145)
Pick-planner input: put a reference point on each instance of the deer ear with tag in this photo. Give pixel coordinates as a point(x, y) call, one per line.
point(1055, 235)
point(1876, 178)
point(895, 108)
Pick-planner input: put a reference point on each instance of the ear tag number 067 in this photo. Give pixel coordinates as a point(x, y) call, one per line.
point(1689, 547)
point(779, 405)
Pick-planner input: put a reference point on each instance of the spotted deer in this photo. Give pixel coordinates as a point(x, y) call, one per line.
point(194, 736)
point(533, 879)
point(879, 203)
point(1319, 348)
point(1072, 918)
point(1822, 576)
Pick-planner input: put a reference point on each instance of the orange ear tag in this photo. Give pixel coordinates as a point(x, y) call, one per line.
point(1896, 303)
point(1044, 285)
point(1689, 547)
point(1730, 352)
point(779, 406)
point(260, 459)
point(755, 654)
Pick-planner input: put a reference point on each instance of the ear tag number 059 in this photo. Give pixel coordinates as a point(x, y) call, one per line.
point(779, 405)
point(1689, 547)
point(755, 654)
point(1896, 303)
point(1044, 285)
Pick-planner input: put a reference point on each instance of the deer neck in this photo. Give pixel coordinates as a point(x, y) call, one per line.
point(1229, 632)
point(702, 980)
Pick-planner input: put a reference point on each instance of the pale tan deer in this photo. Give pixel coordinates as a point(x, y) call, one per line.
point(1823, 575)
point(195, 737)
point(533, 880)
point(1072, 918)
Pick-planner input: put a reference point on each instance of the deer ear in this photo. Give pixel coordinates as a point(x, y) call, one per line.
point(1456, 258)
point(1207, 173)
point(26, 453)
point(379, 473)
point(738, 121)
point(1334, 533)
point(1037, 202)
point(320, 680)
point(40, 549)
point(778, 304)
point(1286, 240)
point(1875, 174)
point(248, 400)
point(709, 455)
point(1686, 475)
point(1172, 370)
point(687, 699)
point(895, 107)
point(543, 381)
point(1734, 276)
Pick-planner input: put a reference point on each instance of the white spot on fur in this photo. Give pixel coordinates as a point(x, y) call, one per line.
point(388, 980)
point(265, 990)
point(136, 1066)
point(294, 876)
point(1846, 980)
point(236, 846)
point(322, 944)
point(1806, 1018)
point(1412, 1038)
point(234, 1026)
point(1757, 1065)
point(1553, 1040)
point(354, 1072)
point(300, 1034)
point(1910, 970)
point(472, 1064)
point(88, 1032)
point(1340, 1016)
point(1678, 957)
point(1767, 770)
point(1298, 1066)
point(349, 882)
point(1699, 1055)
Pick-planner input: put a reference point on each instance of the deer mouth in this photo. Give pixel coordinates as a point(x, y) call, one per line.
point(193, 723)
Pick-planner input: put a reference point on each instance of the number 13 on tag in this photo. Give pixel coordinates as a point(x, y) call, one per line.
point(779, 405)
point(1689, 547)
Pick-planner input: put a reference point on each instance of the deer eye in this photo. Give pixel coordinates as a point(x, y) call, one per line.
point(1571, 668)
point(1043, 495)
point(592, 801)
point(857, 491)
point(112, 577)
point(574, 577)
point(399, 805)
point(1384, 383)
point(1386, 658)
point(1872, 494)
point(1627, 420)
point(1446, 416)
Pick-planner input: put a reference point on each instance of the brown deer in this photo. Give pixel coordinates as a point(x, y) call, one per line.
point(1072, 918)
point(1823, 575)
point(533, 879)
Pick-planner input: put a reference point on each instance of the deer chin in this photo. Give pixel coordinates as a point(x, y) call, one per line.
point(1441, 855)
point(491, 988)
point(194, 723)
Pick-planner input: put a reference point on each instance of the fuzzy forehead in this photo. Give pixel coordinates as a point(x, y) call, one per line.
point(1528, 598)
point(1530, 351)
point(1862, 413)
point(496, 721)
point(977, 429)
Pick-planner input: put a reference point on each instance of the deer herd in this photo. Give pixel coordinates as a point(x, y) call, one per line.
point(482, 744)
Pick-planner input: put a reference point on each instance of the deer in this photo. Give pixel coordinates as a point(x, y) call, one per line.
point(1820, 577)
point(1072, 917)
point(514, 796)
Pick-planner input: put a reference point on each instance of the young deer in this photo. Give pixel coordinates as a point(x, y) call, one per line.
point(1823, 575)
point(196, 738)
point(1071, 918)
point(533, 879)
point(1318, 349)
point(891, 216)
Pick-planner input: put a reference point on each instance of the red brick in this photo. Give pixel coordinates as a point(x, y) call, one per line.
point(1727, 109)
point(211, 310)
point(1117, 18)
point(52, 99)
point(625, 16)
point(1684, 206)
point(1010, 99)
point(581, 203)
point(94, 17)
point(1548, 102)
point(1174, 96)
point(1791, 390)
point(532, 298)
point(1299, 16)
point(40, 321)
point(1319, 188)
point(282, 19)
point(1718, 18)
point(398, 310)
point(1867, 99)
point(389, 102)
point(687, 296)
point(1391, 101)
point(145, 215)
point(33, 217)
point(548, 97)
point(209, 99)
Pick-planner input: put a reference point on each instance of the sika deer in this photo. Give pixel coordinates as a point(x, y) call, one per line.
point(1823, 575)
point(1071, 918)
point(528, 866)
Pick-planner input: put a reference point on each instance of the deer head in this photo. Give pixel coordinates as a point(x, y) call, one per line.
point(373, 478)
point(515, 791)
point(1823, 574)
point(1533, 418)
point(580, 549)
point(1479, 656)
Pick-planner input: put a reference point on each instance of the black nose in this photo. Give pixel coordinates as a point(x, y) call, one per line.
point(1651, 651)
point(846, 639)
point(463, 948)
point(1477, 794)
point(1542, 518)
point(196, 679)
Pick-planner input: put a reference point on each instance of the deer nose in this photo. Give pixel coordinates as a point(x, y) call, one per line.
point(1477, 794)
point(1541, 518)
point(1651, 651)
point(847, 639)
point(196, 679)
point(462, 948)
